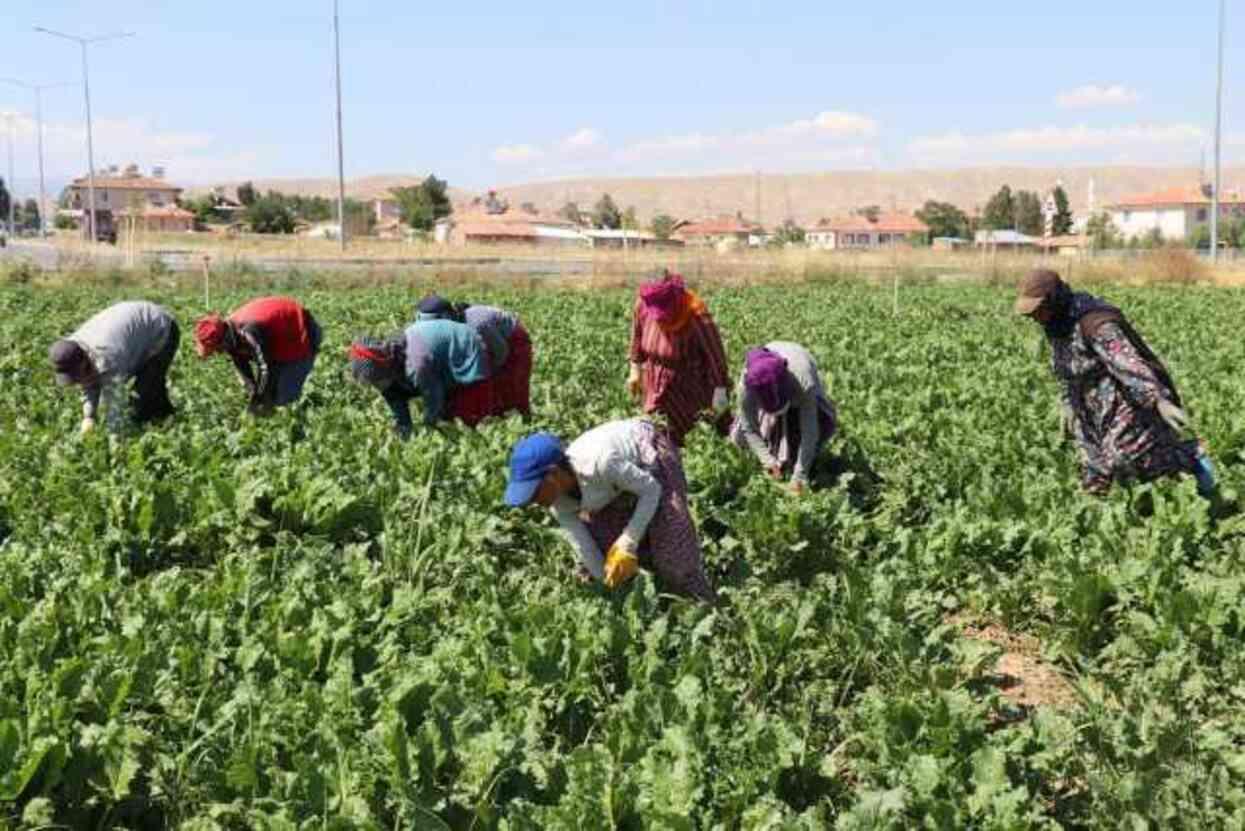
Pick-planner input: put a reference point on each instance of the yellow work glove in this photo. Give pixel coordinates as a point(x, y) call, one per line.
point(620, 566)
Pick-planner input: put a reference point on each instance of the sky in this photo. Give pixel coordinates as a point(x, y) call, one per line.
point(494, 93)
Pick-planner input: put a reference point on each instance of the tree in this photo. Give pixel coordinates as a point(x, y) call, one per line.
point(629, 219)
point(663, 226)
point(30, 215)
point(1063, 213)
point(870, 212)
point(570, 212)
point(204, 209)
point(1028, 214)
point(247, 195)
point(1200, 238)
point(1000, 210)
point(606, 213)
point(270, 215)
point(421, 206)
point(4, 201)
point(1102, 232)
point(787, 234)
point(945, 220)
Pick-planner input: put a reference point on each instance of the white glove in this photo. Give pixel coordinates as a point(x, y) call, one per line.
point(720, 401)
point(88, 424)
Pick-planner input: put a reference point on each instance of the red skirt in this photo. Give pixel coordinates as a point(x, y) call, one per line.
point(513, 382)
point(473, 403)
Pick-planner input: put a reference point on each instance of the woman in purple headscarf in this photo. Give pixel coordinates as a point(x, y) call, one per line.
point(678, 365)
point(784, 415)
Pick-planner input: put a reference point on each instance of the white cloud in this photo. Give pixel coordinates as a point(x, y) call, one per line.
point(189, 157)
point(1094, 96)
point(802, 136)
point(516, 154)
point(1049, 139)
point(826, 125)
point(585, 138)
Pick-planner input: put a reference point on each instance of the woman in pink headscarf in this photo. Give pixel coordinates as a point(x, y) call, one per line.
point(678, 365)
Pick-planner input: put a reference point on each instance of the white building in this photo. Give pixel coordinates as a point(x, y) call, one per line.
point(862, 232)
point(1176, 212)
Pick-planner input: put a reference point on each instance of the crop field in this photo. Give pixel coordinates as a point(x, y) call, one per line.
point(304, 623)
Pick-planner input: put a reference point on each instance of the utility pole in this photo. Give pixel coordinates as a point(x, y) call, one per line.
point(86, 92)
point(1214, 197)
point(341, 162)
point(11, 119)
point(38, 89)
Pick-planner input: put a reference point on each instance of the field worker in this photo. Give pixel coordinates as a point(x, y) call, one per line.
point(784, 415)
point(1119, 402)
point(277, 335)
point(508, 344)
point(442, 361)
point(618, 489)
point(678, 365)
point(135, 339)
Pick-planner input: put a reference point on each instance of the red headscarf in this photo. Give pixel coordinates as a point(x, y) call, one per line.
point(210, 332)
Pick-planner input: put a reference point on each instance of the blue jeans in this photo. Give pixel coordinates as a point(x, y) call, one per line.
point(293, 376)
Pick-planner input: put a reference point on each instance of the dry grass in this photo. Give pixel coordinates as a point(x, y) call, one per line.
point(374, 261)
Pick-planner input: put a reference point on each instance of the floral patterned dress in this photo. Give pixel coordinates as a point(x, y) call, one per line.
point(1112, 384)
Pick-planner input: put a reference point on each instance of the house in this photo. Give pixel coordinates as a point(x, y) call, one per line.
point(612, 238)
point(724, 230)
point(863, 232)
point(1006, 241)
point(156, 219)
point(476, 227)
point(386, 211)
point(1066, 245)
point(116, 190)
point(1176, 212)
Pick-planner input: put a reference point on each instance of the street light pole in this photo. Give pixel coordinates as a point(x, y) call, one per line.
point(86, 91)
point(1214, 205)
point(11, 118)
point(341, 162)
point(38, 91)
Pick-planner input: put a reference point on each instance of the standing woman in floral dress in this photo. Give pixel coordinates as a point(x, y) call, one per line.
point(1119, 402)
point(678, 365)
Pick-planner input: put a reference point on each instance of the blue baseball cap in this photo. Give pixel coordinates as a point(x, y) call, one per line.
point(530, 460)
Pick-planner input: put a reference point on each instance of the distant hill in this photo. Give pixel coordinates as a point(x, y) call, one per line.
point(805, 197)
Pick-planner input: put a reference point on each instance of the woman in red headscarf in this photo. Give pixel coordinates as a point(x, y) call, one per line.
point(678, 365)
point(277, 335)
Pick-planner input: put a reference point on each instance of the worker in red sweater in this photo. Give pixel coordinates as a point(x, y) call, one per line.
point(273, 342)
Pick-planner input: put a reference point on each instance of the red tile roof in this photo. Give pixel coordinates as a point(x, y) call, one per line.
point(126, 183)
point(886, 224)
point(1176, 196)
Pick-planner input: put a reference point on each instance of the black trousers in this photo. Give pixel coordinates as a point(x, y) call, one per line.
point(151, 389)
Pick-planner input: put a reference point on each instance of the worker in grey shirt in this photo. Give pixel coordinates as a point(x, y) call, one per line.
point(784, 415)
point(133, 339)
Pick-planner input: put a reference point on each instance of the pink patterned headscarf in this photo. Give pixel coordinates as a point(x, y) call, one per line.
point(663, 298)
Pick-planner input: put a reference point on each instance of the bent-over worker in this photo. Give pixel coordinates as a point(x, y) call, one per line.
point(273, 342)
point(134, 339)
point(619, 489)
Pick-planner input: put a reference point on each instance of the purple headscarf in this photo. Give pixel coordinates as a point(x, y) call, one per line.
point(765, 374)
point(662, 298)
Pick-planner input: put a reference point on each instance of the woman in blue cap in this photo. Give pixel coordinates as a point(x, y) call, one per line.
point(619, 489)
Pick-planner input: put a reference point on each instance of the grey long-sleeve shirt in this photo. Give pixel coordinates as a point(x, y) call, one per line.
point(808, 388)
point(120, 339)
